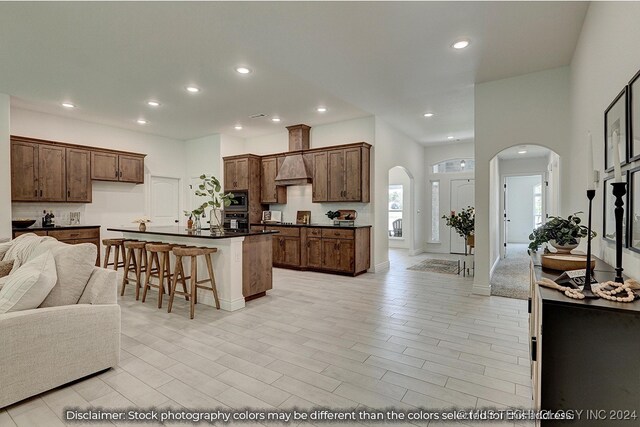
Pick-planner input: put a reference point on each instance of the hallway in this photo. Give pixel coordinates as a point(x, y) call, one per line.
point(511, 276)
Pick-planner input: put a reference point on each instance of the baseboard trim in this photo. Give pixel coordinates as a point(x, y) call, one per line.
point(383, 266)
point(479, 289)
point(493, 267)
point(416, 252)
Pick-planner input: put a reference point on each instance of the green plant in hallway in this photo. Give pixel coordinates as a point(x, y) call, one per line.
point(464, 224)
point(564, 234)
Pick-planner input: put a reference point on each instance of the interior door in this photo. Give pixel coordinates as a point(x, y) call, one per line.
point(523, 207)
point(462, 196)
point(165, 201)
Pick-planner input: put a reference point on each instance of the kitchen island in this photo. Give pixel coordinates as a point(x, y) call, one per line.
point(242, 264)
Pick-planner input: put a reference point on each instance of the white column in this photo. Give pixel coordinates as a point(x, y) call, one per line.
point(5, 168)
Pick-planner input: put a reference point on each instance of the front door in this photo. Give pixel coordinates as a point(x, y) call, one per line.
point(462, 196)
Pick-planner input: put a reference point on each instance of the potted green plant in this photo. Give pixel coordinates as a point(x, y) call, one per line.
point(211, 188)
point(464, 224)
point(564, 234)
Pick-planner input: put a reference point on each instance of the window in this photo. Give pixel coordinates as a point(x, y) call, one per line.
point(395, 210)
point(455, 166)
point(435, 211)
point(537, 206)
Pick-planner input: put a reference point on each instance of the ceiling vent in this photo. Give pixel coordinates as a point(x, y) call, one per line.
point(257, 116)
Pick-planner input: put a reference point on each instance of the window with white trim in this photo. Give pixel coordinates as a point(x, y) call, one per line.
point(454, 166)
point(435, 211)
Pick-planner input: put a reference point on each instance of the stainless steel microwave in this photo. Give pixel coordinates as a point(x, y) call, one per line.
point(240, 202)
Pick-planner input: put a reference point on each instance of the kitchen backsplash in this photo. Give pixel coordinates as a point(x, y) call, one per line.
point(299, 199)
point(61, 211)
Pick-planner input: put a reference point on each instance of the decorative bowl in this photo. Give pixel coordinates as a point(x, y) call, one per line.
point(565, 262)
point(22, 223)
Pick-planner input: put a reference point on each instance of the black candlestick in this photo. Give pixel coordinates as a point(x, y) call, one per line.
point(586, 291)
point(619, 190)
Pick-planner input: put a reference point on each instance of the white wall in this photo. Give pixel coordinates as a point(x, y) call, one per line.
point(436, 154)
point(202, 157)
point(528, 109)
point(606, 58)
point(398, 176)
point(495, 214)
point(5, 168)
point(114, 204)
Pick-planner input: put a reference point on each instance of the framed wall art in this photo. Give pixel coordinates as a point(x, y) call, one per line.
point(634, 118)
point(615, 131)
point(608, 214)
point(634, 210)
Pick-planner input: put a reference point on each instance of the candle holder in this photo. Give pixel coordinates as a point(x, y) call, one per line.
point(587, 291)
point(619, 190)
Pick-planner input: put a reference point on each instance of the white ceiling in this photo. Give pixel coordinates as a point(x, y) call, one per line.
point(390, 59)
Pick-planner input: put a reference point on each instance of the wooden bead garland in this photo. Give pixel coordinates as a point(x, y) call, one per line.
point(570, 292)
point(607, 290)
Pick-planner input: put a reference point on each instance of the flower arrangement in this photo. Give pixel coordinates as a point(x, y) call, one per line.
point(210, 187)
point(142, 221)
point(463, 222)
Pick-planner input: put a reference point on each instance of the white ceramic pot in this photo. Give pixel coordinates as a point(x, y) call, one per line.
point(564, 249)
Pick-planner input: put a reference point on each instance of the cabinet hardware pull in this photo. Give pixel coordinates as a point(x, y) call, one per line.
point(529, 306)
point(534, 348)
point(116, 173)
point(35, 193)
point(120, 174)
point(308, 244)
point(40, 193)
point(68, 193)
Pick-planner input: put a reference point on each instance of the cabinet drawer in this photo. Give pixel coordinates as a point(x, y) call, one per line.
point(315, 232)
point(36, 232)
point(337, 234)
point(82, 233)
point(257, 228)
point(286, 231)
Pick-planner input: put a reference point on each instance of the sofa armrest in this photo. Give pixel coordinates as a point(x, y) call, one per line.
point(47, 347)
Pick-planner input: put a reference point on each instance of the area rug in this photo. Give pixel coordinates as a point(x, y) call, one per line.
point(511, 277)
point(443, 266)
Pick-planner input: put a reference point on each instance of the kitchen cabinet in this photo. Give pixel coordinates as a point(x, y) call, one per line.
point(313, 247)
point(286, 246)
point(337, 254)
point(78, 175)
point(72, 235)
point(107, 166)
point(320, 177)
point(24, 171)
point(269, 191)
point(236, 174)
point(51, 173)
point(347, 175)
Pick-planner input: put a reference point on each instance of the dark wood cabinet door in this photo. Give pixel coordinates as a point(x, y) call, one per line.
point(78, 175)
point(330, 254)
point(277, 250)
point(346, 256)
point(52, 178)
point(104, 166)
point(291, 251)
point(268, 190)
point(242, 174)
point(353, 174)
point(320, 177)
point(314, 252)
point(336, 176)
point(130, 169)
point(229, 175)
point(24, 172)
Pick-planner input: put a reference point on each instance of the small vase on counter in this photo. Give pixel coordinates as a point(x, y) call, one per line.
point(142, 226)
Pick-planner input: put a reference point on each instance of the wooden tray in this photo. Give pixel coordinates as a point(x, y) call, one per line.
point(566, 262)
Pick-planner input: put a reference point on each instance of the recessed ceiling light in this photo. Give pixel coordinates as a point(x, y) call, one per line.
point(238, 127)
point(68, 105)
point(449, 137)
point(275, 119)
point(428, 114)
point(142, 121)
point(243, 70)
point(153, 103)
point(193, 89)
point(321, 109)
point(522, 152)
point(460, 44)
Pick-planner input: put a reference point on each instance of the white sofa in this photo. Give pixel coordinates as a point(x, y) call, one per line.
point(46, 347)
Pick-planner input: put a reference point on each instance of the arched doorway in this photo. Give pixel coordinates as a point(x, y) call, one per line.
point(400, 210)
point(525, 184)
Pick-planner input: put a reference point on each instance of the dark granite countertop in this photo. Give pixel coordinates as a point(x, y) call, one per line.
point(259, 224)
point(57, 227)
point(181, 231)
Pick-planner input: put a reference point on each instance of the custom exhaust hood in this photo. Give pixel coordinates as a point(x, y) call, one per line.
point(295, 169)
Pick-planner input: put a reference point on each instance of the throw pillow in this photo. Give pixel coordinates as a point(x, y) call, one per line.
point(4, 247)
point(74, 265)
point(22, 247)
point(5, 268)
point(29, 285)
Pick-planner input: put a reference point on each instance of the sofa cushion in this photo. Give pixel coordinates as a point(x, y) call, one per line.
point(5, 268)
point(29, 285)
point(4, 247)
point(74, 265)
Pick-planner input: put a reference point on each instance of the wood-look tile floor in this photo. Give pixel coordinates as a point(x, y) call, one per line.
point(401, 339)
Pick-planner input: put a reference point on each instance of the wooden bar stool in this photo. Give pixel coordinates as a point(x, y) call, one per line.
point(159, 263)
point(136, 259)
point(193, 253)
point(118, 246)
